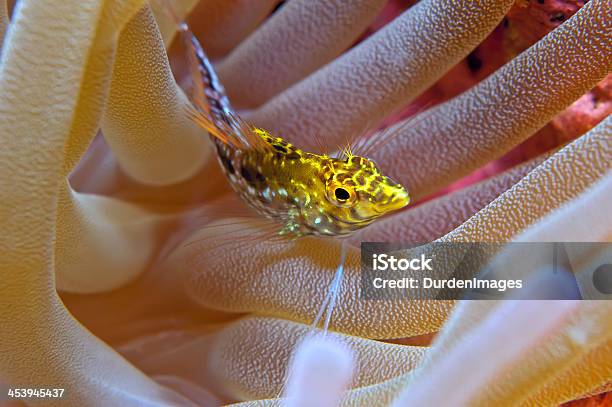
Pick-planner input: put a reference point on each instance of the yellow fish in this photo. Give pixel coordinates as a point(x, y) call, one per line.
point(302, 192)
point(306, 193)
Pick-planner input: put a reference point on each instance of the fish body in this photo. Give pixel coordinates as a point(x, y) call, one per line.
point(310, 194)
point(307, 193)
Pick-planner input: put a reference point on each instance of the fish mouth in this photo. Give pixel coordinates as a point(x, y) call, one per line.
point(401, 200)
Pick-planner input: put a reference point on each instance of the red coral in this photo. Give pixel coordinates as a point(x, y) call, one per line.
point(529, 21)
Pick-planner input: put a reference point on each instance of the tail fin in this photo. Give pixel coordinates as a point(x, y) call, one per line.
point(208, 95)
point(213, 110)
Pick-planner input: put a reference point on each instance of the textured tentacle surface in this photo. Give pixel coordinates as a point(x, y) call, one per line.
point(375, 360)
point(147, 126)
point(297, 40)
point(344, 97)
point(506, 108)
point(564, 175)
point(165, 13)
point(45, 115)
point(228, 23)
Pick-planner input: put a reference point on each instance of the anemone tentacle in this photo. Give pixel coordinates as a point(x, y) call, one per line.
point(387, 71)
point(147, 127)
point(296, 41)
point(506, 108)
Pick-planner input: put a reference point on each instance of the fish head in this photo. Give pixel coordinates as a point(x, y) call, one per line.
point(357, 193)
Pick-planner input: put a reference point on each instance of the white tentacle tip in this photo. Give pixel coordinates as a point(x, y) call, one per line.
point(319, 373)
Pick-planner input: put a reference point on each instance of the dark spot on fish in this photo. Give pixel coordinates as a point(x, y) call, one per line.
point(225, 160)
point(474, 63)
point(506, 22)
point(280, 148)
point(341, 177)
point(247, 175)
point(541, 1)
point(293, 156)
point(228, 165)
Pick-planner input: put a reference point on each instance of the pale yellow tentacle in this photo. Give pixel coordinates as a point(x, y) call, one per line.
point(146, 123)
point(165, 22)
point(41, 87)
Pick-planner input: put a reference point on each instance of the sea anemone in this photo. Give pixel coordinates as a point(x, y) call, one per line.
point(106, 182)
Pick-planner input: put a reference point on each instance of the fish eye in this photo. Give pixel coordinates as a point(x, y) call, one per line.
point(341, 194)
